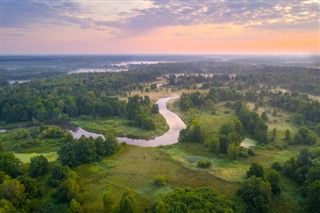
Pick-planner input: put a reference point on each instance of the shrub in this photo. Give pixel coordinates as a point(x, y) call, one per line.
point(38, 166)
point(204, 164)
point(276, 166)
point(243, 154)
point(251, 152)
point(160, 180)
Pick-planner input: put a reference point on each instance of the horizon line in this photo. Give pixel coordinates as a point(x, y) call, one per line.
point(161, 54)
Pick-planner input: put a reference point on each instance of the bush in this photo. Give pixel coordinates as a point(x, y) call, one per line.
point(243, 154)
point(160, 180)
point(276, 166)
point(148, 124)
point(256, 193)
point(204, 199)
point(38, 166)
point(127, 202)
point(251, 152)
point(204, 164)
point(256, 170)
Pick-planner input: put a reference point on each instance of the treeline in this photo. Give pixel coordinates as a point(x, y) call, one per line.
point(256, 194)
point(249, 119)
point(195, 99)
point(304, 170)
point(230, 135)
point(69, 96)
point(303, 136)
point(226, 141)
point(3, 82)
point(86, 150)
point(295, 79)
point(30, 72)
point(252, 123)
point(310, 110)
point(259, 189)
point(34, 136)
point(304, 109)
point(139, 110)
point(20, 189)
point(204, 199)
point(186, 80)
point(23, 187)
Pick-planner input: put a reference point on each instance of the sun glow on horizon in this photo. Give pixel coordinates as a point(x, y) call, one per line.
point(224, 27)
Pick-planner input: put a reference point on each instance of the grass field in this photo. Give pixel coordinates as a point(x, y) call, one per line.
point(25, 157)
point(20, 141)
point(281, 121)
point(165, 92)
point(135, 168)
point(209, 122)
point(120, 126)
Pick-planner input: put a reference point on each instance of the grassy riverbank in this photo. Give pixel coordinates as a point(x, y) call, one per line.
point(121, 128)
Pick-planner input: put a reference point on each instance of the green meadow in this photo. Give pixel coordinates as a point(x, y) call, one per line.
point(121, 127)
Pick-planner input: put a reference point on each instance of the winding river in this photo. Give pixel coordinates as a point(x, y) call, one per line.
point(170, 137)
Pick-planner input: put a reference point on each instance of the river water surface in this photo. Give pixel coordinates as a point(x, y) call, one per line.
point(170, 137)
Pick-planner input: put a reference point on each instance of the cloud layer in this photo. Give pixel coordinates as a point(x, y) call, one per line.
point(159, 25)
point(141, 16)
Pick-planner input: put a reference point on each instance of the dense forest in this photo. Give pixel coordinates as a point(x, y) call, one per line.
point(61, 98)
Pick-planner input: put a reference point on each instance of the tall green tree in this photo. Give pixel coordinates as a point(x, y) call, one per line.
point(75, 207)
point(127, 202)
point(313, 197)
point(13, 191)
point(287, 137)
point(255, 170)
point(69, 189)
point(30, 184)
point(274, 179)
point(214, 145)
point(10, 164)
point(7, 207)
point(39, 165)
point(233, 151)
point(256, 193)
point(108, 201)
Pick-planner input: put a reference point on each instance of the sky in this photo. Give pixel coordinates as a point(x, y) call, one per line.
point(160, 27)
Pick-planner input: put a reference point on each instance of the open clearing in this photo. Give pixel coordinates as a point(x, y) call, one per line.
point(135, 168)
point(25, 157)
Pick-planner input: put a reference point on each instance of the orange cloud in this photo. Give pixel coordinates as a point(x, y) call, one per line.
point(203, 38)
point(224, 39)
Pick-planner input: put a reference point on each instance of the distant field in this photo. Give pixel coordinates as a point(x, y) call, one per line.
point(164, 92)
point(281, 121)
